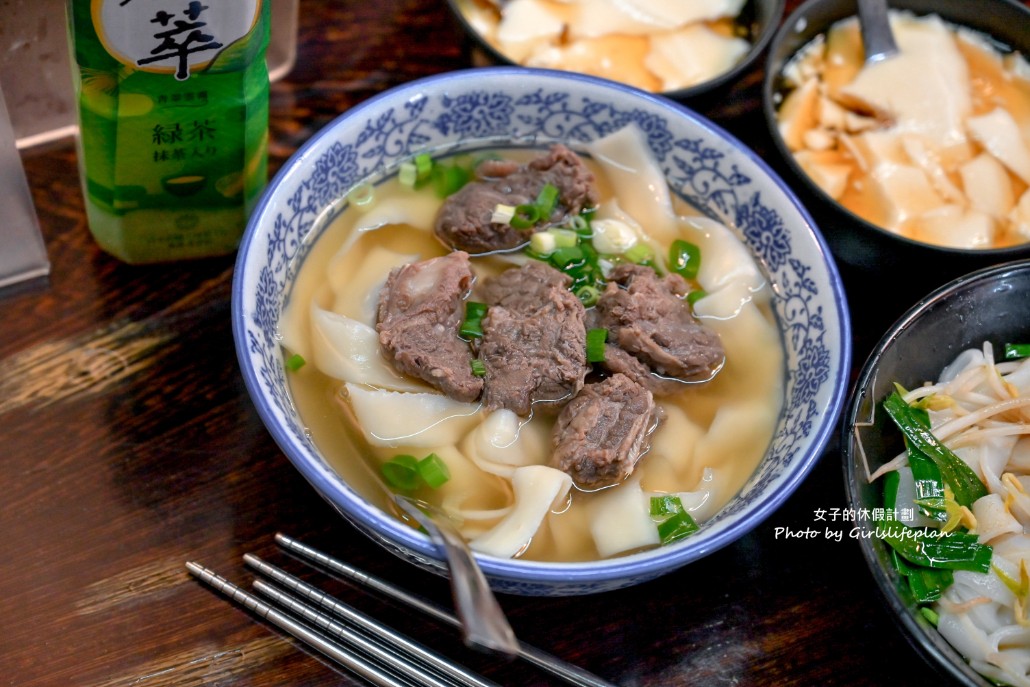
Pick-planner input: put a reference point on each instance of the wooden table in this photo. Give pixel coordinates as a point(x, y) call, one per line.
point(129, 446)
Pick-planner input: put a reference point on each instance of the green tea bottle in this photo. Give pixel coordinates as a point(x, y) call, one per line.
point(173, 122)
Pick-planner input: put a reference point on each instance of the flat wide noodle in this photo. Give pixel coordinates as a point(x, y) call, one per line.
point(356, 286)
point(391, 418)
point(728, 273)
point(644, 194)
point(505, 442)
point(622, 520)
point(993, 519)
point(348, 350)
point(537, 489)
point(417, 210)
point(671, 457)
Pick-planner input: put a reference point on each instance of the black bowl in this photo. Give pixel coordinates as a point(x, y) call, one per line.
point(872, 251)
point(992, 304)
point(759, 17)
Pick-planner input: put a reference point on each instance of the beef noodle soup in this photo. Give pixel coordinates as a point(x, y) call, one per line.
point(547, 345)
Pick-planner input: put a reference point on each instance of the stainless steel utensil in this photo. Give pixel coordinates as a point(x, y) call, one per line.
point(571, 674)
point(482, 621)
point(343, 656)
point(877, 37)
point(377, 653)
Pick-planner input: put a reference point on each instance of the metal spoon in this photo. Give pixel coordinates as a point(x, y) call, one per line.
point(877, 37)
point(483, 622)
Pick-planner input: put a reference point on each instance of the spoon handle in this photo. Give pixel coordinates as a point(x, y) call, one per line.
point(483, 622)
point(877, 37)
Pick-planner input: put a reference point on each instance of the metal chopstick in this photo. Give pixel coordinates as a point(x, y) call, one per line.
point(344, 657)
point(396, 644)
point(572, 674)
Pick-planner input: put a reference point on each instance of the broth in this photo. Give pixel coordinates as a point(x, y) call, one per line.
point(709, 442)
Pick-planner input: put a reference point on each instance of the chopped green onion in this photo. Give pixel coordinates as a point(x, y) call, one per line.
point(478, 367)
point(1016, 351)
point(423, 166)
point(295, 362)
point(448, 179)
point(362, 194)
point(930, 615)
point(891, 481)
point(433, 471)
point(579, 224)
point(675, 522)
point(563, 258)
point(684, 258)
point(696, 295)
point(929, 486)
point(402, 472)
point(927, 547)
point(407, 174)
point(588, 295)
point(475, 310)
point(546, 200)
point(472, 325)
point(915, 427)
point(665, 505)
point(639, 254)
point(502, 214)
point(564, 238)
point(596, 339)
point(926, 584)
point(677, 527)
point(525, 216)
point(936, 549)
point(542, 243)
point(406, 472)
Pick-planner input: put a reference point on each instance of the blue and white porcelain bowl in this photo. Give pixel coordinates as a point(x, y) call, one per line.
point(510, 105)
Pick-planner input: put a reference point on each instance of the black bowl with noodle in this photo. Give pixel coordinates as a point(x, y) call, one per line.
point(987, 305)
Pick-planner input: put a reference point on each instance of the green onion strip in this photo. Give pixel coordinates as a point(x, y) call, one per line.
point(406, 473)
point(963, 481)
point(1016, 351)
point(596, 339)
point(472, 325)
point(673, 521)
point(684, 258)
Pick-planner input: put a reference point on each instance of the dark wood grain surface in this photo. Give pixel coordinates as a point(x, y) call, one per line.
point(128, 445)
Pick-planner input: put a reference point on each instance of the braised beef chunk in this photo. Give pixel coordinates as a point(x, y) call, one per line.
point(534, 340)
point(619, 361)
point(464, 221)
point(524, 289)
point(601, 434)
point(646, 317)
point(421, 308)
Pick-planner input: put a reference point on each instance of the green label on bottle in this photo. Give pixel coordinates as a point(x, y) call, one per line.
point(172, 37)
point(173, 110)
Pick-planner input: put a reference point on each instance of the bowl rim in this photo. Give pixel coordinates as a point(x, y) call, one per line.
point(933, 648)
point(769, 110)
point(700, 90)
point(643, 565)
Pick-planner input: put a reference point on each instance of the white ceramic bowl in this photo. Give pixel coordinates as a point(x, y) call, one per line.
point(507, 105)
